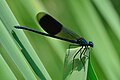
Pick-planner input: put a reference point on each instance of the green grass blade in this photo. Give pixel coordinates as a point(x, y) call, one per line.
point(9, 20)
point(91, 73)
point(13, 51)
point(113, 19)
point(5, 71)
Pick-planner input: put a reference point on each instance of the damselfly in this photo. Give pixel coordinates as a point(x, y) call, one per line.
point(54, 29)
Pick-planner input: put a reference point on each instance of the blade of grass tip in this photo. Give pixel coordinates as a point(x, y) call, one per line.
point(75, 71)
point(5, 71)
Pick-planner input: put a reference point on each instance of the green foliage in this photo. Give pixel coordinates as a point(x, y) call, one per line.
point(29, 56)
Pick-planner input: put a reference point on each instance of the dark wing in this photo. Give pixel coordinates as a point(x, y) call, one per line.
point(53, 27)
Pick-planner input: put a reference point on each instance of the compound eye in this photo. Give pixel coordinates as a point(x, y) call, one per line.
point(91, 44)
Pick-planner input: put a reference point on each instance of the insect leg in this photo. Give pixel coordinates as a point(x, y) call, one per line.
point(75, 56)
point(81, 56)
point(85, 52)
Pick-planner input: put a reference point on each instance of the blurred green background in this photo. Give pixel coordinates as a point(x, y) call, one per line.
point(95, 20)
